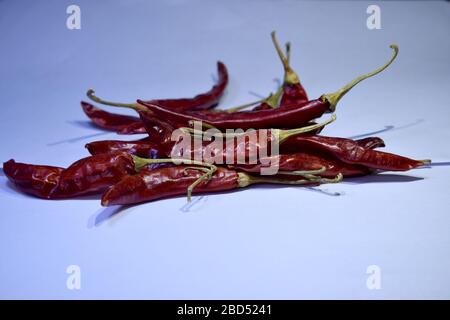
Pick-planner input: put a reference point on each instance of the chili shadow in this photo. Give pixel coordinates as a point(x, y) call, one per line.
point(386, 129)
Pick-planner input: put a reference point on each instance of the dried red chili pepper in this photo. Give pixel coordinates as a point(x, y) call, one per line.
point(39, 181)
point(150, 185)
point(307, 162)
point(95, 173)
point(351, 152)
point(201, 101)
point(142, 148)
point(288, 117)
point(121, 124)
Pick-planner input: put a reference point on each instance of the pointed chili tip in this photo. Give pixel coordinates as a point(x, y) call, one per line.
point(425, 162)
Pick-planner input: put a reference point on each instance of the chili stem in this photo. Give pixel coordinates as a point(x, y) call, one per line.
point(285, 134)
point(245, 180)
point(282, 134)
point(91, 95)
point(243, 106)
point(333, 98)
point(290, 77)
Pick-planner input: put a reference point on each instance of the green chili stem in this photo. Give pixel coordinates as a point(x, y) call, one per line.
point(290, 77)
point(333, 98)
point(139, 163)
point(285, 134)
point(245, 180)
point(136, 106)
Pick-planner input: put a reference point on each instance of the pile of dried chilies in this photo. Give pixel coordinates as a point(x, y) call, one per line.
point(129, 172)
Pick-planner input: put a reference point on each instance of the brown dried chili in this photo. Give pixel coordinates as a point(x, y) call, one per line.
point(288, 117)
point(150, 185)
point(36, 180)
point(350, 151)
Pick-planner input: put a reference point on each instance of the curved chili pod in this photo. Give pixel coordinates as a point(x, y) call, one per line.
point(36, 180)
point(289, 117)
point(201, 101)
point(121, 124)
point(96, 173)
point(151, 185)
point(349, 151)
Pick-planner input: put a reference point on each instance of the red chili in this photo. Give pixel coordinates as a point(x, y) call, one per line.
point(150, 185)
point(288, 117)
point(142, 148)
point(39, 181)
point(96, 173)
point(122, 124)
point(308, 162)
point(351, 152)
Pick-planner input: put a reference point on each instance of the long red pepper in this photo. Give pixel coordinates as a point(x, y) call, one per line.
point(201, 101)
point(288, 117)
point(349, 151)
point(307, 162)
point(150, 185)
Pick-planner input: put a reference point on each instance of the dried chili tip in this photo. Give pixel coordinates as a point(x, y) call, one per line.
point(37, 180)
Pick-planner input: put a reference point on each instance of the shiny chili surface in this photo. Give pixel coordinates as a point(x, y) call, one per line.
point(121, 124)
point(149, 185)
point(349, 151)
point(39, 181)
point(290, 117)
point(96, 173)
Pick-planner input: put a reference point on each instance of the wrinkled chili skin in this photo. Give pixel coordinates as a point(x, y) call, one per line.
point(371, 143)
point(121, 124)
point(304, 161)
point(36, 180)
point(96, 173)
point(289, 117)
point(293, 94)
point(150, 185)
point(141, 148)
point(202, 101)
point(349, 151)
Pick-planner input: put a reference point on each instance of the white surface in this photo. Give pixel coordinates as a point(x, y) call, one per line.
point(260, 243)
